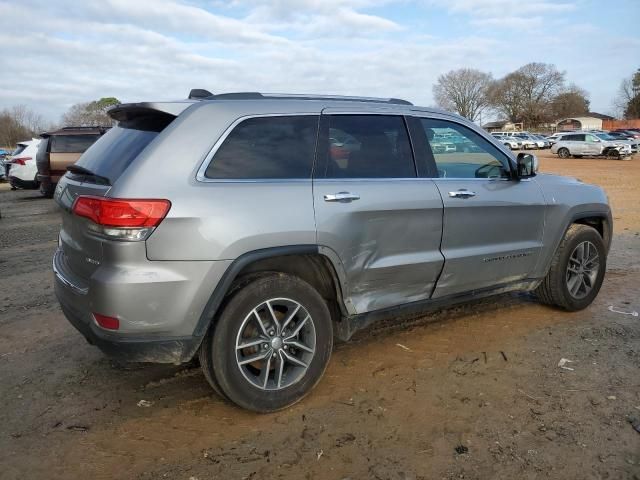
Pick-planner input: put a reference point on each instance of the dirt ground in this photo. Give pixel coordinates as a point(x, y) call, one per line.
point(474, 392)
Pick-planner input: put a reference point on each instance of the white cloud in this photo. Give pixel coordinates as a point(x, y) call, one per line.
point(55, 54)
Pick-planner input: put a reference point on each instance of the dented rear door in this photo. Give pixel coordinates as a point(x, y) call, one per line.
point(374, 213)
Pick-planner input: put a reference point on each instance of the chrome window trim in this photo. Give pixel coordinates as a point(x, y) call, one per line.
point(200, 175)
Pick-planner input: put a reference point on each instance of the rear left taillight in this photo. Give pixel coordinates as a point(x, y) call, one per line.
point(20, 160)
point(121, 219)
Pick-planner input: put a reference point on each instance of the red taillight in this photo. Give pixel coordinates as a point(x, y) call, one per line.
point(110, 323)
point(21, 160)
point(110, 212)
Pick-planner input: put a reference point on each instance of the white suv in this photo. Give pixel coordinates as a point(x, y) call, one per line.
point(595, 144)
point(22, 171)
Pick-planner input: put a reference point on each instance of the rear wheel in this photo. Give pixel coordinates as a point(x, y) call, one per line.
point(271, 344)
point(577, 270)
point(564, 153)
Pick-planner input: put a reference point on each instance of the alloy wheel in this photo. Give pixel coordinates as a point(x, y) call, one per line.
point(275, 344)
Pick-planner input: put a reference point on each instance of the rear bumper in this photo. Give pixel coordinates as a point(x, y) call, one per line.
point(128, 349)
point(158, 308)
point(20, 183)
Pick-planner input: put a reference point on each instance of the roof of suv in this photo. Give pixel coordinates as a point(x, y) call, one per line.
point(174, 108)
point(75, 131)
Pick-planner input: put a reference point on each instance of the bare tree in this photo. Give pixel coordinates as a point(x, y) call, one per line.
point(627, 102)
point(463, 91)
point(90, 114)
point(573, 101)
point(19, 123)
point(525, 95)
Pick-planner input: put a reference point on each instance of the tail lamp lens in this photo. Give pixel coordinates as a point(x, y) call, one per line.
point(123, 213)
point(20, 160)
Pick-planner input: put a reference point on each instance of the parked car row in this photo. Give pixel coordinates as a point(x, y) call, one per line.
point(522, 140)
point(41, 162)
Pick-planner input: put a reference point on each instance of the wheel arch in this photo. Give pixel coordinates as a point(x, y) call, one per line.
point(312, 263)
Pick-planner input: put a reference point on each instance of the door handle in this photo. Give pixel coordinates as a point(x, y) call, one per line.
point(341, 197)
point(462, 194)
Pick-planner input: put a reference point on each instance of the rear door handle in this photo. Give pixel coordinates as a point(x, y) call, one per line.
point(462, 194)
point(341, 197)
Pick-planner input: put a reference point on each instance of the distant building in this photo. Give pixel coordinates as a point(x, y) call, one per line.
point(591, 121)
point(502, 126)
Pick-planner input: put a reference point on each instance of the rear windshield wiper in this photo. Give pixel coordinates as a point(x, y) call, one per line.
point(87, 175)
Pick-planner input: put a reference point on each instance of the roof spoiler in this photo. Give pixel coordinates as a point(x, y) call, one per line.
point(129, 111)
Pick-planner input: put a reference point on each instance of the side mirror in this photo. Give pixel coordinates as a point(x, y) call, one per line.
point(527, 165)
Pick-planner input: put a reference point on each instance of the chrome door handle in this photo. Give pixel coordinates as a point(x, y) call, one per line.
point(462, 194)
point(341, 197)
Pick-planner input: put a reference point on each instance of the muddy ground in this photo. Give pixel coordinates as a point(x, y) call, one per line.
point(471, 393)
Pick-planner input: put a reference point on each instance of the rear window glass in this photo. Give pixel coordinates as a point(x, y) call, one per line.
point(71, 143)
point(110, 156)
point(19, 149)
point(267, 147)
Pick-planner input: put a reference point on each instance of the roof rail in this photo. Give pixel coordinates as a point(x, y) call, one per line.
point(294, 96)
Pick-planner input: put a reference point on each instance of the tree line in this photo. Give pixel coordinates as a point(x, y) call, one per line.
point(534, 94)
point(21, 123)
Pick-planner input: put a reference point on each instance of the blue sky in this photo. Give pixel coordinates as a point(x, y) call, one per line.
point(57, 53)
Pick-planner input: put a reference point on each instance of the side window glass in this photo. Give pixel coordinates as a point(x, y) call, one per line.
point(591, 138)
point(368, 146)
point(267, 147)
point(579, 138)
point(459, 152)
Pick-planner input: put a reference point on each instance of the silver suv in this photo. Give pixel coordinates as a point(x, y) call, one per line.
point(251, 230)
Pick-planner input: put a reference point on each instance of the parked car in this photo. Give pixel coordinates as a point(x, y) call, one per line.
point(59, 149)
point(512, 143)
point(628, 132)
point(542, 141)
point(581, 144)
point(527, 141)
point(632, 142)
point(553, 138)
point(21, 169)
point(256, 247)
point(3, 155)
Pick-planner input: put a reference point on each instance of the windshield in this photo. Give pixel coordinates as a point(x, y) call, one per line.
point(604, 136)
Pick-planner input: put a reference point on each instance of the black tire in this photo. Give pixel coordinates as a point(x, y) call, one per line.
point(218, 352)
point(554, 289)
point(564, 153)
point(47, 190)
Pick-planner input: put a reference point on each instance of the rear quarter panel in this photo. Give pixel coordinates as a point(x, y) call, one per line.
point(216, 220)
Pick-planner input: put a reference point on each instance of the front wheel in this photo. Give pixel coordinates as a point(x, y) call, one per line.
point(271, 344)
point(564, 153)
point(577, 270)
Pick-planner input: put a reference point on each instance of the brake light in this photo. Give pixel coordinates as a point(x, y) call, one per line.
point(119, 218)
point(20, 160)
point(110, 323)
point(121, 212)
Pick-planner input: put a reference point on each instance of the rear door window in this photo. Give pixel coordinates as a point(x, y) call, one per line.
point(367, 146)
point(274, 147)
point(71, 143)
